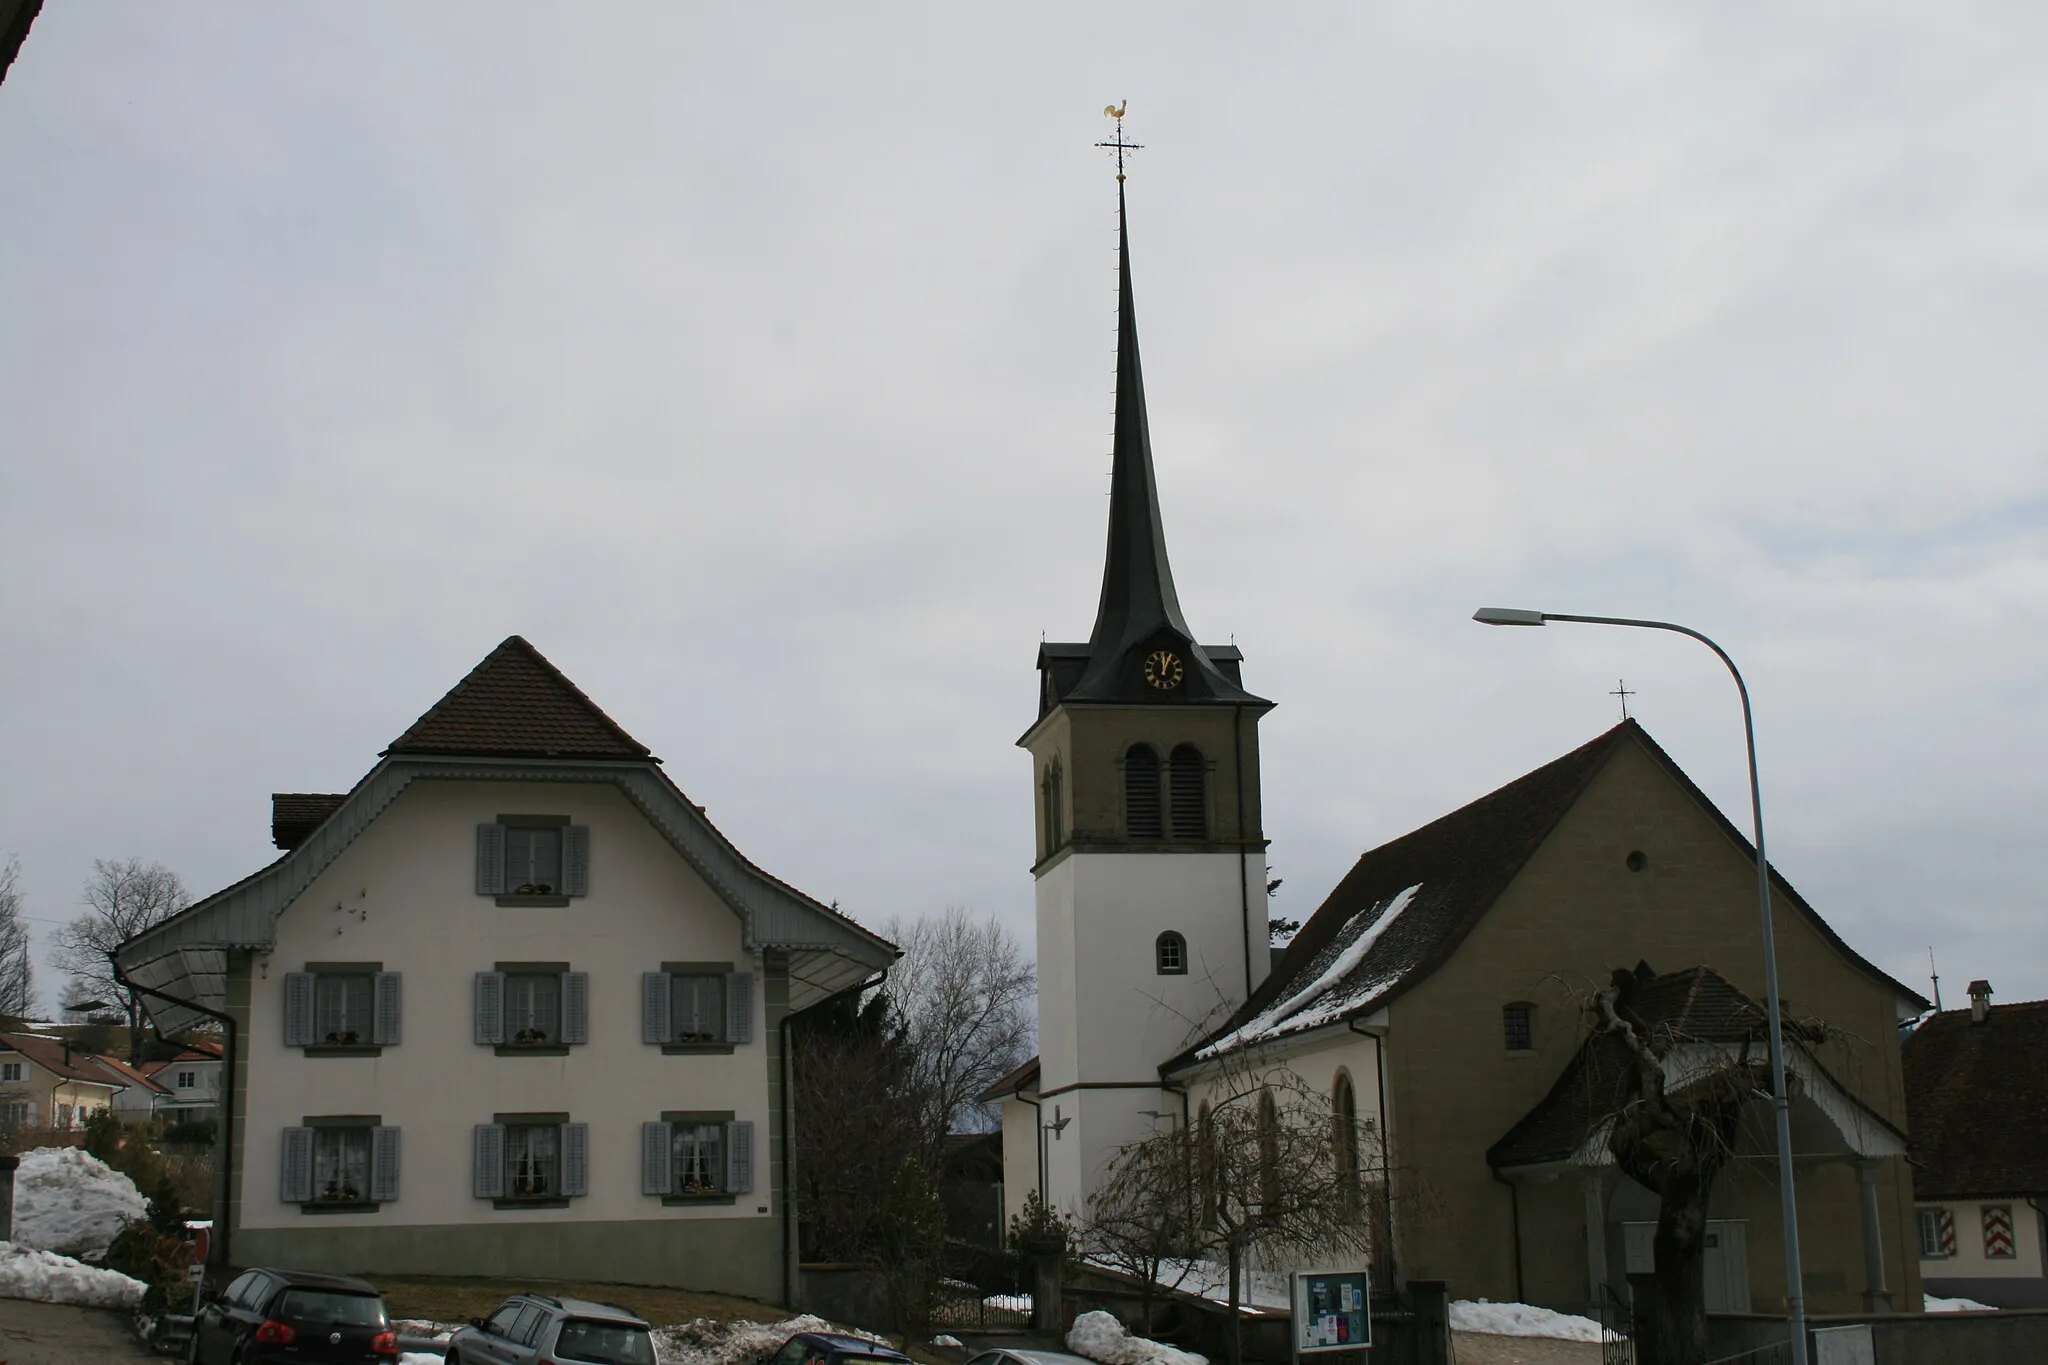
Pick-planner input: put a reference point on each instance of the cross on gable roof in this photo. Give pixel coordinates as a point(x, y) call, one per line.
point(515, 704)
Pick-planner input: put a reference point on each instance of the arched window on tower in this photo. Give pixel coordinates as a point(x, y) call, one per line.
point(1170, 954)
point(1055, 830)
point(1187, 782)
point(1141, 793)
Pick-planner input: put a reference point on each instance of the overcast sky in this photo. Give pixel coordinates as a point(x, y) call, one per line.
point(757, 366)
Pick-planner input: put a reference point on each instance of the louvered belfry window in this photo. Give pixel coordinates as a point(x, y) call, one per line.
point(1142, 815)
point(1187, 782)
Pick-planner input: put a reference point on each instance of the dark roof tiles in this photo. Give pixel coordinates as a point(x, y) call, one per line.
point(294, 815)
point(1977, 1102)
point(515, 704)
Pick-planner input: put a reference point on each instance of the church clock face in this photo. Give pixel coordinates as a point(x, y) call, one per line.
point(1163, 669)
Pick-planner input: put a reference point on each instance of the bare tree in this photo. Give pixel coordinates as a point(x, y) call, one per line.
point(962, 1002)
point(17, 972)
point(1266, 1179)
point(122, 899)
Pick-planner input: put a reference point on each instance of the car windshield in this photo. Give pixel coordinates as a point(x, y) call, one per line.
point(323, 1305)
point(604, 1343)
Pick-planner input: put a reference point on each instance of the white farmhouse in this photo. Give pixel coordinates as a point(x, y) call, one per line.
point(509, 1007)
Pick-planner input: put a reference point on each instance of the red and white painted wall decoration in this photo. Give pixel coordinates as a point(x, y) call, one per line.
point(1998, 1232)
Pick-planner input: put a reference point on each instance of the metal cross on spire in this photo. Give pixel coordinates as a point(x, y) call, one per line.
point(1116, 111)
point(1622, 690)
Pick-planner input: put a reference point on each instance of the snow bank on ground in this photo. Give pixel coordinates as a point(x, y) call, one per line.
point(1520, 1320)
point(1009, 1303)
point(71, 1203)
point(26, 1273)
point(945, 1339)
point(424, 1328)
point(420, 1358)
point(1099, 1336)
point(1930, 1304)
point(707, 1341)
point(1258, 1291)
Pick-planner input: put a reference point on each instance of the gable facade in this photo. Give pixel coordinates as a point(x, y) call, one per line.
point(511, 1013)
point(1477, 1000)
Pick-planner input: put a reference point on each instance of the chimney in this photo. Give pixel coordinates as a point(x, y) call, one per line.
point(1980, 1001)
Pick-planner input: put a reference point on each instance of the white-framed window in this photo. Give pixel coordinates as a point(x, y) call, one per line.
point(533, 1008)
point(531, 1158)
point(188, 1080)
point(527, 857)
point(17, 1113)
point(689, 1006)
point(339, 1162)
point(1937, 1233)
point(337, 1005)
point(1170, 954)
point(697, 1156)
point(10, 1071)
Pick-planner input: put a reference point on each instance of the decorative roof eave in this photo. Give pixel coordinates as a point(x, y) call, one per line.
point(190, 948)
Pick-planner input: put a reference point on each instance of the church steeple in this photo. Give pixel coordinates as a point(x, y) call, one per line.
point(1139, 612)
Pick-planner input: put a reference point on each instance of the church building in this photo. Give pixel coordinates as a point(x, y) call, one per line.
point(1438, 995)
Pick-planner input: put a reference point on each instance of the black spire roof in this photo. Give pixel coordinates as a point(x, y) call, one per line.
point(1139, 611)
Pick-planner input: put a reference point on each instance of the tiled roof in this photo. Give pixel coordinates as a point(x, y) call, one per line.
point(1977, 1102)
point(50, 1054)
point(515, 704)
point(1459, 864)
point(1345, 963)
point(294, 815)
point(127, 1075)
point(1695, 1005)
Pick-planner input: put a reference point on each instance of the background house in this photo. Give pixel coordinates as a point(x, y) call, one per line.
point(187, 1084)
point(46, 1083)
point(1977, 1097)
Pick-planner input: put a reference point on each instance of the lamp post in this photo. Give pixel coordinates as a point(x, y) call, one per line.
point(1781, 1099)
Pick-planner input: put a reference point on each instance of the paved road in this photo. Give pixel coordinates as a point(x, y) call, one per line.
point(55, 1334)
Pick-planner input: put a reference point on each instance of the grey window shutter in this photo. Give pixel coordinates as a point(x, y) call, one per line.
point(490, 860)
point(295, 1174)
point(739, 1157)
point(488, 1164)
point(384, 1026)
point(383, 1164)
point(575, 1007)
point(576, 860)
point(657, 1140)
point(575, 1159)
point(490, 1008)
point(298, 1009)
point(654, 1019)
point(739, 1007)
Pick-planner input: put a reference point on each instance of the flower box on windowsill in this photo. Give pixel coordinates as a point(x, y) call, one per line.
point(351, 1050)
point(533, 902)
point(676, 1201)
point(531, 1043)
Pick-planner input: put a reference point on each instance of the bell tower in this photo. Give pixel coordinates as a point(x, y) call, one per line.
point(1150, 856)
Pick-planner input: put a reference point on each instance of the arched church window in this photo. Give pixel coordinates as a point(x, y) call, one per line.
point(1141, 793)
point(1269, 1150)
point(1187, 779)
point(1170, 953)
point(1344, 1107)
point(1055, 831)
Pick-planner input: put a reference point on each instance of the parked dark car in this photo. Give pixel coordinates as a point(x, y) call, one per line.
point(269, 1317)
point(537, 1329)
point(833, 1348)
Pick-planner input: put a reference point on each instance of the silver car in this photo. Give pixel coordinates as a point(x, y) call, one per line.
point(531, 1328)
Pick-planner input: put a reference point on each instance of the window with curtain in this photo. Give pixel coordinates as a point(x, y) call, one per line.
point(1187, 779)
point(341, 1009)
point(1142, 815)
point(697, 1008)
point(341, 1165)
point(533, 861)
point(532, 1161)
point(699, 1158)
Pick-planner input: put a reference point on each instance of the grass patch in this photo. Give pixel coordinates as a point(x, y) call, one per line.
point(459, 1300)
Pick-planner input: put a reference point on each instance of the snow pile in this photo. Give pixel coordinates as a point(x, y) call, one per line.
point(707, 1341)
point(1009, 1303)
point(1520, 1320)
point(1321, 1002)
point(1930, 1304)
point(420, 1358)
point(44, 1277)
point(1099, 1336)
point(71, 1203)
point(1258, 1291)
point(944, 1339)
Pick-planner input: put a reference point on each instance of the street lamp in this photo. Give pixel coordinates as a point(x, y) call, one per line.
point(1781, 1099)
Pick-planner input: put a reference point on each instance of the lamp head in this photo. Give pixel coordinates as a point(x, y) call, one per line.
point(1507, 616)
